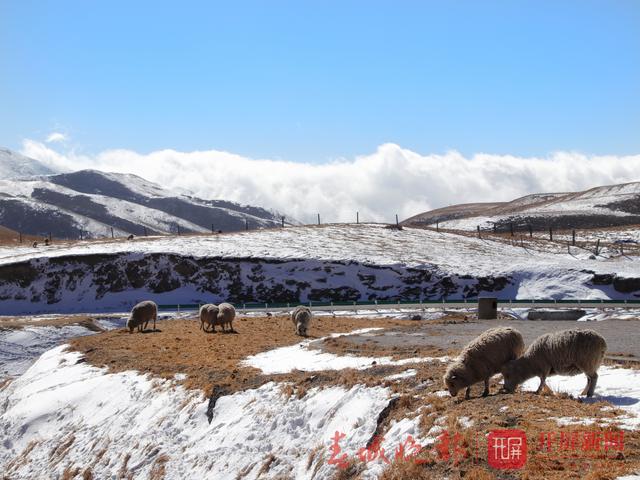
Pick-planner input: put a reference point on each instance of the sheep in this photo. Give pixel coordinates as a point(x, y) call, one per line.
point(226, 314)
point(482, 358)
point(301, 317)
point(141, 314)
point(209, 316)
point(567, 352)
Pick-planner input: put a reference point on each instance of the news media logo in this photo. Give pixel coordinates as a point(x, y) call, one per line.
point(507, 449)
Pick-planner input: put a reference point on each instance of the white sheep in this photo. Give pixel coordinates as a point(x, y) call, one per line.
point(226, 314)
point(482, 358)
point(567, 352)
point(141, 314)
point(301, 318)
point(208, 316)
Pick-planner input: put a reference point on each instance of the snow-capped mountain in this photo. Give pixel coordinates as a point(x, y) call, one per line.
point(606, 206)
point(90, 203)
point(15, 165)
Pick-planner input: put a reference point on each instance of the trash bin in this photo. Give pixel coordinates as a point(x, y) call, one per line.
point(487, 308)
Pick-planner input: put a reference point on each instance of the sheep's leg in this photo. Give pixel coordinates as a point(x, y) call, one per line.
point(543, 383)
point(155, 317)
point(592, 380)
point(485, 393)
point(231, 326)
point(146, 324)
point(467, 395)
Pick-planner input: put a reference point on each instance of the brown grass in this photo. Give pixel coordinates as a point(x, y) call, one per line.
point(213, 360)
point(208, 359)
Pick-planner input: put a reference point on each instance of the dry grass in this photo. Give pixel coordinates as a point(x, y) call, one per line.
point(208, 359)
point(179, 349)
point(158, 467)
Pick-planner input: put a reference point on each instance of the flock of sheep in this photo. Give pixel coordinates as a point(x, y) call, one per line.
point(211, 316)
point(498, 350)
point(501, 350)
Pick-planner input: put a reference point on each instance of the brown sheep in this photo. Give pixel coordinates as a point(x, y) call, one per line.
point(208, 316)
point(301, 318)
point(568, 352)
point(141, 314)
point(482, 358)
point(226, 314)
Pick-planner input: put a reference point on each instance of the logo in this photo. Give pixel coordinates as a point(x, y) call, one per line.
point(507, 449)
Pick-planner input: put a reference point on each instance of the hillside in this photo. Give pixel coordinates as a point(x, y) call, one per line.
point(607, 206)
point(328, 263)
point(14, 165)
point(91, 203)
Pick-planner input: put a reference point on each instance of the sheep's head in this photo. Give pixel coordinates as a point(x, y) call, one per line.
point(454, 381)
point(512, 374)
point(301, 329)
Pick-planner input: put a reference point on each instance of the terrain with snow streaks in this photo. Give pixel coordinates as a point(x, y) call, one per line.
point(330, 263)
point(606, 206)
point(90, 203)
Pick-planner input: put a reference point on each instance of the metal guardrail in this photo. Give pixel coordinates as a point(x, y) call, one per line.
point(413, 305)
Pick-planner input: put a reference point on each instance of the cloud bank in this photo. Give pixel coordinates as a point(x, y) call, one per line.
point(391, 180)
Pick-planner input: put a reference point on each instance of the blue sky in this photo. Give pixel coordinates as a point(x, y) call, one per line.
point(313, 81)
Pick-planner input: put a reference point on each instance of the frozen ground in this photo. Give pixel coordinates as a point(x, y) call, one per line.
point(371, 244)
point(63, 413)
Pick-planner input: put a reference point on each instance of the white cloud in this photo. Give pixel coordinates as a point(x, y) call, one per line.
point(56, 137)
point(391, 180)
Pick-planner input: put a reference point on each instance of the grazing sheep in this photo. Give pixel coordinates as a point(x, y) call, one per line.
point(482, 358)
point(301, 318)
point(226, 314)
point(141, 314)
point(568, 352)
point(130, 237)
point(209, 316)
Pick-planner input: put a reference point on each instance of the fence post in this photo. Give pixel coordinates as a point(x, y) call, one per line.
point(574, 238)
point(511, 228)
point(318, 219)
point(551, 234)
point(80, 234)
point(397, 223)
point(478, 227)
point(597, 247)
point(530, 231)
point(283, 221)
point(112, 235)
point(20, 233)
point(246, 224)
point(358, 217)
point(437, 227)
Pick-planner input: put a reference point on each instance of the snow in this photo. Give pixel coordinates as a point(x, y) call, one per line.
point(301, 357)
point(411, 372)
point(590, 202)
point(59, 401)
point(618, 386)
point(20, 347)
point(536, 274)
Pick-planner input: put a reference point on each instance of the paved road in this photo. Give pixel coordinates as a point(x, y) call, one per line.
point(623, 336)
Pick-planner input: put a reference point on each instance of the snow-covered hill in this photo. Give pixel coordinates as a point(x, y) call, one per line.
point(605, 206)
point(336, 262)
point(14, 165)
point(91, 203)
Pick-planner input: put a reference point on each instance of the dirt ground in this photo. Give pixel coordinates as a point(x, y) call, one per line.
point(211, 363)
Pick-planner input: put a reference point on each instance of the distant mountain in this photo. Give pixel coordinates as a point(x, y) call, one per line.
point(15, 165)
point(607, 206)
point(91, 203)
